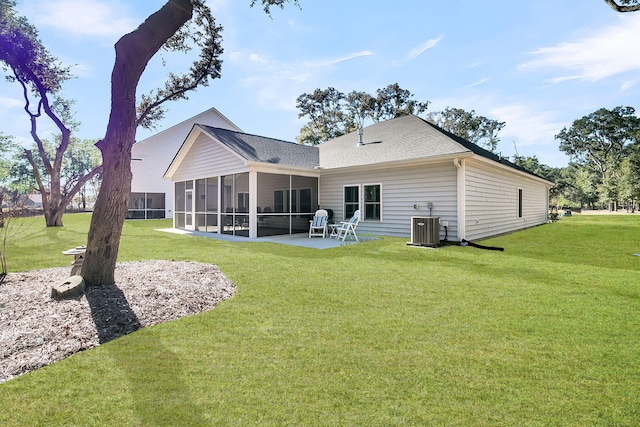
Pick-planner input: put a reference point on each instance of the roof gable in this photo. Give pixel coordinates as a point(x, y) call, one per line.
point(175, 133)
point(266, 150)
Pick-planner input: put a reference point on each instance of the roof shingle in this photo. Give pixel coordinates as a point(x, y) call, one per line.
point(268, 150)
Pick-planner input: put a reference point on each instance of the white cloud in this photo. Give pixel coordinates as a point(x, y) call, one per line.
point(628, 84)
point(7, 103)
point(255, 57)
point(527, 125)
point(83, 17)
point(278, 83)
point(329, 62)
point(530, 126)
point(530, 132)
point(414, 53)
point(604, 54)
point(478, 83)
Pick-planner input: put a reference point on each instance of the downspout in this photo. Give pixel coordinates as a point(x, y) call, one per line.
point(461, 197)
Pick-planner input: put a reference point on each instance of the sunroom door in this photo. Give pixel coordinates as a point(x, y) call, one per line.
point(189, 223)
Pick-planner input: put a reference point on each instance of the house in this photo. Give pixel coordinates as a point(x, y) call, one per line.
point(151, 196)
point(230, 182)
point(31, 200)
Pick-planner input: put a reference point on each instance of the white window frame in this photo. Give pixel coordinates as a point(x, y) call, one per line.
point(364, 202)
point(344, 202)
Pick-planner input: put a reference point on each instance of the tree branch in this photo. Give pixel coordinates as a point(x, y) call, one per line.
point(36, 172)
point(66, 199)
point(133, 52)
point(622, 9)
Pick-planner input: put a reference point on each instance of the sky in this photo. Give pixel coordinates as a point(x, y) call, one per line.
point(535, 65)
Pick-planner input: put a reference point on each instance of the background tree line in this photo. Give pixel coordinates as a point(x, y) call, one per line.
point(604, 171)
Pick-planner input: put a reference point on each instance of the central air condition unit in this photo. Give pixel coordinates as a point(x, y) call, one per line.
point(425, 231)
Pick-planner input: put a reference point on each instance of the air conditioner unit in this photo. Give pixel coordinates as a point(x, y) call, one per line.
point(425, 231)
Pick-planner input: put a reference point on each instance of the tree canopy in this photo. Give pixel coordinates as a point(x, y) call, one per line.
point(599, 142)
point(331, 113)
point(624, 5)
point(41, 75)
point(600, 138)
point(468, 125)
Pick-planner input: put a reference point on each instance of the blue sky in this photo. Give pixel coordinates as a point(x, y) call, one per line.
point(536, 65)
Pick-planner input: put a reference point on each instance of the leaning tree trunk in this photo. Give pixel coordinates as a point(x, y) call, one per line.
point(52, 206)
point(133, 52)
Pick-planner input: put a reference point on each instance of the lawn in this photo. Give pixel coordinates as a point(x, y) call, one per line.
point(374, 334)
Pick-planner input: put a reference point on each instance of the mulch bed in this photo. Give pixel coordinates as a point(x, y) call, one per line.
point(36, 330)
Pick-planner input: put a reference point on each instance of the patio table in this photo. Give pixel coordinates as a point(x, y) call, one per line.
point(333, 229)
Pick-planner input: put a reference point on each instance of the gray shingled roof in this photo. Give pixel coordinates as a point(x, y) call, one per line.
point(267, 150)
point(402, 138)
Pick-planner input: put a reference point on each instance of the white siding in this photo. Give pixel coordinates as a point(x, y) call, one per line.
point(492, 201)
point(152, 156)
point(207, 158)
point(402, 188)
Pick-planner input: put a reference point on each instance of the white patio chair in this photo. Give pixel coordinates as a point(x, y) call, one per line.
point(349, 227)
point(318, 226)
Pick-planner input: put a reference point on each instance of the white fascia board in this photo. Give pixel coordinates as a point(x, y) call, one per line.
point(283, 169)
point(400, 163)
point(514, 171)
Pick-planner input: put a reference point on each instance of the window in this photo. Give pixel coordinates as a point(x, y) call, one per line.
point(146, 206)
point(243, 203)
point(372, 202)
point(519, 202)
point(212, 194)
point(305, 200)
point(179, 196)
point(351, 200)
point(201, 195)
point(293, 196)
point(278, 200)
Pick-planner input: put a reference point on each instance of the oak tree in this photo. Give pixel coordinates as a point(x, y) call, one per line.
point(468, 125)
point(179, 26)
point(599, 140)
point(332, 114)
point(27, 62)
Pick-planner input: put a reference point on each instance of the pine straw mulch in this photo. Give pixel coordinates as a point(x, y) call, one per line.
point(36, 330)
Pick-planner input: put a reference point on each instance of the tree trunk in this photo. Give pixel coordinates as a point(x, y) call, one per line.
point(53, 215)
point(109, 212)
point(133, 52)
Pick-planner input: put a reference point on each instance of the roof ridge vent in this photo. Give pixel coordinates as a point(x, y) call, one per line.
point(360, 133)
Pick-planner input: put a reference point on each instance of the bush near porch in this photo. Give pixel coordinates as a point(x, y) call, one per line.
point(379, 333)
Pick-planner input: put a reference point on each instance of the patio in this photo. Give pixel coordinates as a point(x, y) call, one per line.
point(300, 239)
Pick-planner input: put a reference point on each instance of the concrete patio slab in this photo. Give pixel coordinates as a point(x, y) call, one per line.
point(301, 239)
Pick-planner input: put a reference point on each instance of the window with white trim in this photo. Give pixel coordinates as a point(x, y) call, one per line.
point(372, 202)
point(351, 200)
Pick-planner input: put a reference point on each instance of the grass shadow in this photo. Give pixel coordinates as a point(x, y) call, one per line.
point(114, 318)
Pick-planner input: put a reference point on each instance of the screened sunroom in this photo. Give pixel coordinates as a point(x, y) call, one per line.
point(251, 204)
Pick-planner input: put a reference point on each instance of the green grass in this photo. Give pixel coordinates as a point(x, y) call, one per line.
point(375, 334)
